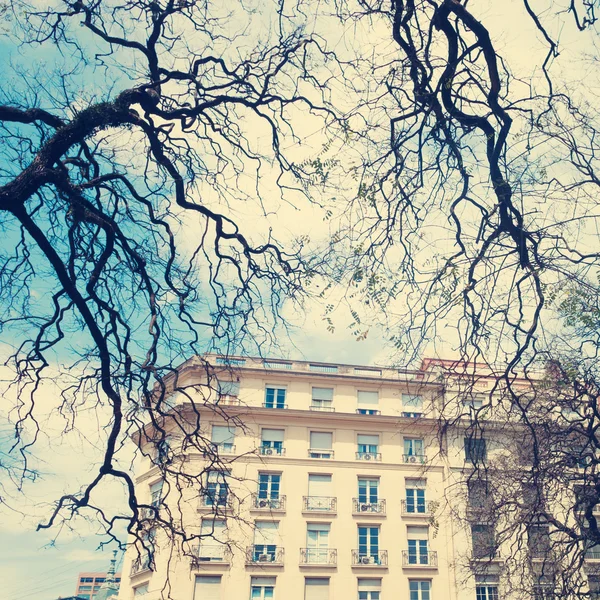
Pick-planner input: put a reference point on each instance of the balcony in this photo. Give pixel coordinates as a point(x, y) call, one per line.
point(322, 453)
point(482, 555)
point(414, 459)
point(319, 504)
point(318, 557)
point(140, 565)
point(367, 411)
point(365, 558)
point(265, 555)
point(221, 448)
point(427, 560)
point(274, 405)
point(218, 554)
point(416, 508)
point(321, 408)
point(271, 451)
point(270, 504)
point(372, 456)
point(215, 502)
point(365, 508)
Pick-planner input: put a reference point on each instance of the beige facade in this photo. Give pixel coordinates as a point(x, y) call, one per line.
point(335, 487)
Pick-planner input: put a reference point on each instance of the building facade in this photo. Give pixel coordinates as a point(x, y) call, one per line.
point(89, 584)
point(333, 482)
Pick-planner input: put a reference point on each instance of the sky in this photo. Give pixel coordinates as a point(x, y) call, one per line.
point(41, 565)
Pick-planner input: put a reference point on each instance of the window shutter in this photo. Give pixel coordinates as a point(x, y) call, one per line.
point(322, 393)
point(321, 440)
point(229, 388)
point(214, 527)
point(316, 588)
point(319, 485)
point(372, 440)
point(369, 585)
point(272, 435)
point(417, 532)
point(266, 533)
point(408, 400)
point(222, 434)
point(419, 484)
point(368, 398)
point(262, 581)
point(208, 587)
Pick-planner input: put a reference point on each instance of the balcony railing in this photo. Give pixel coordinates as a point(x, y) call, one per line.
point(271, 451)
point(372, 456)
point(264, 555)
point(369, 558)
point(592, 554)
point(277, 365)
point(326, 504)
point(222, 448)
point(268, 504)
point(216, 502)
point(274, 405)
point(318, 556)
point(367, 411)
point(323, 368)
point(320, 453)
point(365, 508)
point(416, 508)
point(214, 553)
point(483, 554)
point(415, 459)
point(321, 408)
point(140, 565)
point(419, 559)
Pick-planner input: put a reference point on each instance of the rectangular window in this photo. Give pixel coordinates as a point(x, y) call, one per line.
point(478, 494)
point(223, 437)
point(208, 587)
point(486, 587)
point(261, 588)
point(141, 590)
point(369, 589)
point(156, 493)
point(321, 444)
point(484, 542)
point(316, 588)
point(272, 441)
point(317, 543)
point(266, 537)
point(368, 490)
point(216, 489)
point(418, 545)
point(320, 493)
point(268, 485)
point(368, 445)
point(322, 399)
point(538, 540)
point(275, 397)
point(475, 450)
point(368, 544)
point(368, 402)
point(419, 590)
point(414, 451)
point(415, 496)
point(228, 388)
point(412, 406)
point(212, 543)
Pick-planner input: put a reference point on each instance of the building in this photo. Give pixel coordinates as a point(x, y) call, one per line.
point(339, 486)
point(93, 586)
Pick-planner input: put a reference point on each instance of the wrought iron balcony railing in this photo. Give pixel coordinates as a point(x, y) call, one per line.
point(274, 405)
point(415, 508)
point(324, 453)
point(414, 459)
point(221, 448)
point(322, 408)
point(377, 558)
point(215, 553)
point(216, 502)
point(319, 504)
point(372, 456)
point(268, 504)
point(271, 451)
point(419, 559)
point(318, 556)
point(360, 507)
point(140, 565)
point(264, 554)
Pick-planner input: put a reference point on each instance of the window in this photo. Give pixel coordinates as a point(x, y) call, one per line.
point(369, 589)
point(538, 540)
point(223, 438)
point(412, 406)
point(594, 586)
point(212, 544)
point(544, 589)
point(368, 490)
point(85, 588)
point(414, 450)
point(228, 388)
point(415, 496)
point(419, 590)
point(321, 444)
point(208, 587)
point(322, 399)
point(86, 580)
point(268, 490)
point(475, 402)
point(418, 545)
point(320, 492)
point(84, 596)
point(317, 543)
point(368, 447)
point(275, 397)
point(479, 494)
point(368, 544)
point(486, 587)
point(155, 497)
point(475, 450)
point(262, 588)
point(163, 451)
point(141, 590)
point(316, 588)
point(368, 403)
point(266, 536)
point(272, 441)
point(484, 542)
point(216, 489)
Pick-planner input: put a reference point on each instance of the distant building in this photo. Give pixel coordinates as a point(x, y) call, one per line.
point(97, 586)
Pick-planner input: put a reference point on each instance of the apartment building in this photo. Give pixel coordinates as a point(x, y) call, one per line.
point(336, 487)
